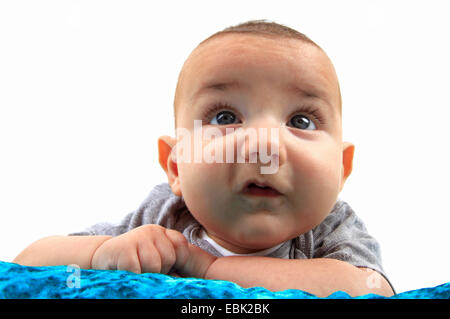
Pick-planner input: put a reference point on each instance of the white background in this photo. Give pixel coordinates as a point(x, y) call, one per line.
point(86, 88)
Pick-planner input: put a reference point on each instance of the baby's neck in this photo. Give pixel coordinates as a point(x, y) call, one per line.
point(225, 252)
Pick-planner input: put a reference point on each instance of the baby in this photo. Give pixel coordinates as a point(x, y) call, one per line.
point(282, 228)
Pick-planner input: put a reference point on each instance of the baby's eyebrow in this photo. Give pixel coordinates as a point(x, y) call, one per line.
point(222, 86)
point(219, 86)
point(310, 92)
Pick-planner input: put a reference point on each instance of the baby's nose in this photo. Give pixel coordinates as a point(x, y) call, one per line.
point(262, 145)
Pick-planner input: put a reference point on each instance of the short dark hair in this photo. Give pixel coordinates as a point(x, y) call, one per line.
point(264, 28)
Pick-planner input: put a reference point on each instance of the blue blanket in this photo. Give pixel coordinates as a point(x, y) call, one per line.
point(18, 281)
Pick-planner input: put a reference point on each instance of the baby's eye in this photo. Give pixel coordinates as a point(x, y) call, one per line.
point(302, 122)
point(224, 118)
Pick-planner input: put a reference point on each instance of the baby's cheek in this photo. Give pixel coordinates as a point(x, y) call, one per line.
point(205, 196)
point(316, 177)
point(201, 174)
point(317, 164)
point(201, 182)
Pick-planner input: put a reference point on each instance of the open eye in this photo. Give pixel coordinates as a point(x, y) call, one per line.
point(302, 122)
point(224, 118)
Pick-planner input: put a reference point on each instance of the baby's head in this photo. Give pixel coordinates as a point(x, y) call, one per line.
point(264, 77)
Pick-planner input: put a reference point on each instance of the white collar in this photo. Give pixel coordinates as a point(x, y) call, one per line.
point(225, 252)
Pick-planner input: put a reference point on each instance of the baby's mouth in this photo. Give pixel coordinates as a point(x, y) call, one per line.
point(255, 188)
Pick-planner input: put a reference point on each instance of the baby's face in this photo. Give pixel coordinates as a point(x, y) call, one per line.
point(262, 83)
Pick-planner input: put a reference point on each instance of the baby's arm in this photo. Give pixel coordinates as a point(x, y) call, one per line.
point(148, 248)
point(320, 276)
point(61, 250)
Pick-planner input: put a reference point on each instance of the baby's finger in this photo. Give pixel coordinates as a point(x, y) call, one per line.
point(166, 252)
point(180, 245)
point(129, 261)
point(149, 257)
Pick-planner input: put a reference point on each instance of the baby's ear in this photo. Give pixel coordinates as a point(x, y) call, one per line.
point(348, 150)
point(167, 160)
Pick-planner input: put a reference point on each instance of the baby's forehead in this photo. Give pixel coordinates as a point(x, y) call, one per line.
point(227, 46)
point(292, 60)
point(257, 49)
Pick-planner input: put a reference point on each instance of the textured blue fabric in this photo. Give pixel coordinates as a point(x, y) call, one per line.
point(19, 282)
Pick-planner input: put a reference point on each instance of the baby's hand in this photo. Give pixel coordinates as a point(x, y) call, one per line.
point(155, 249)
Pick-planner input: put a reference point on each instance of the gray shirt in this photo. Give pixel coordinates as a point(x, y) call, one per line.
point(341, 235)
